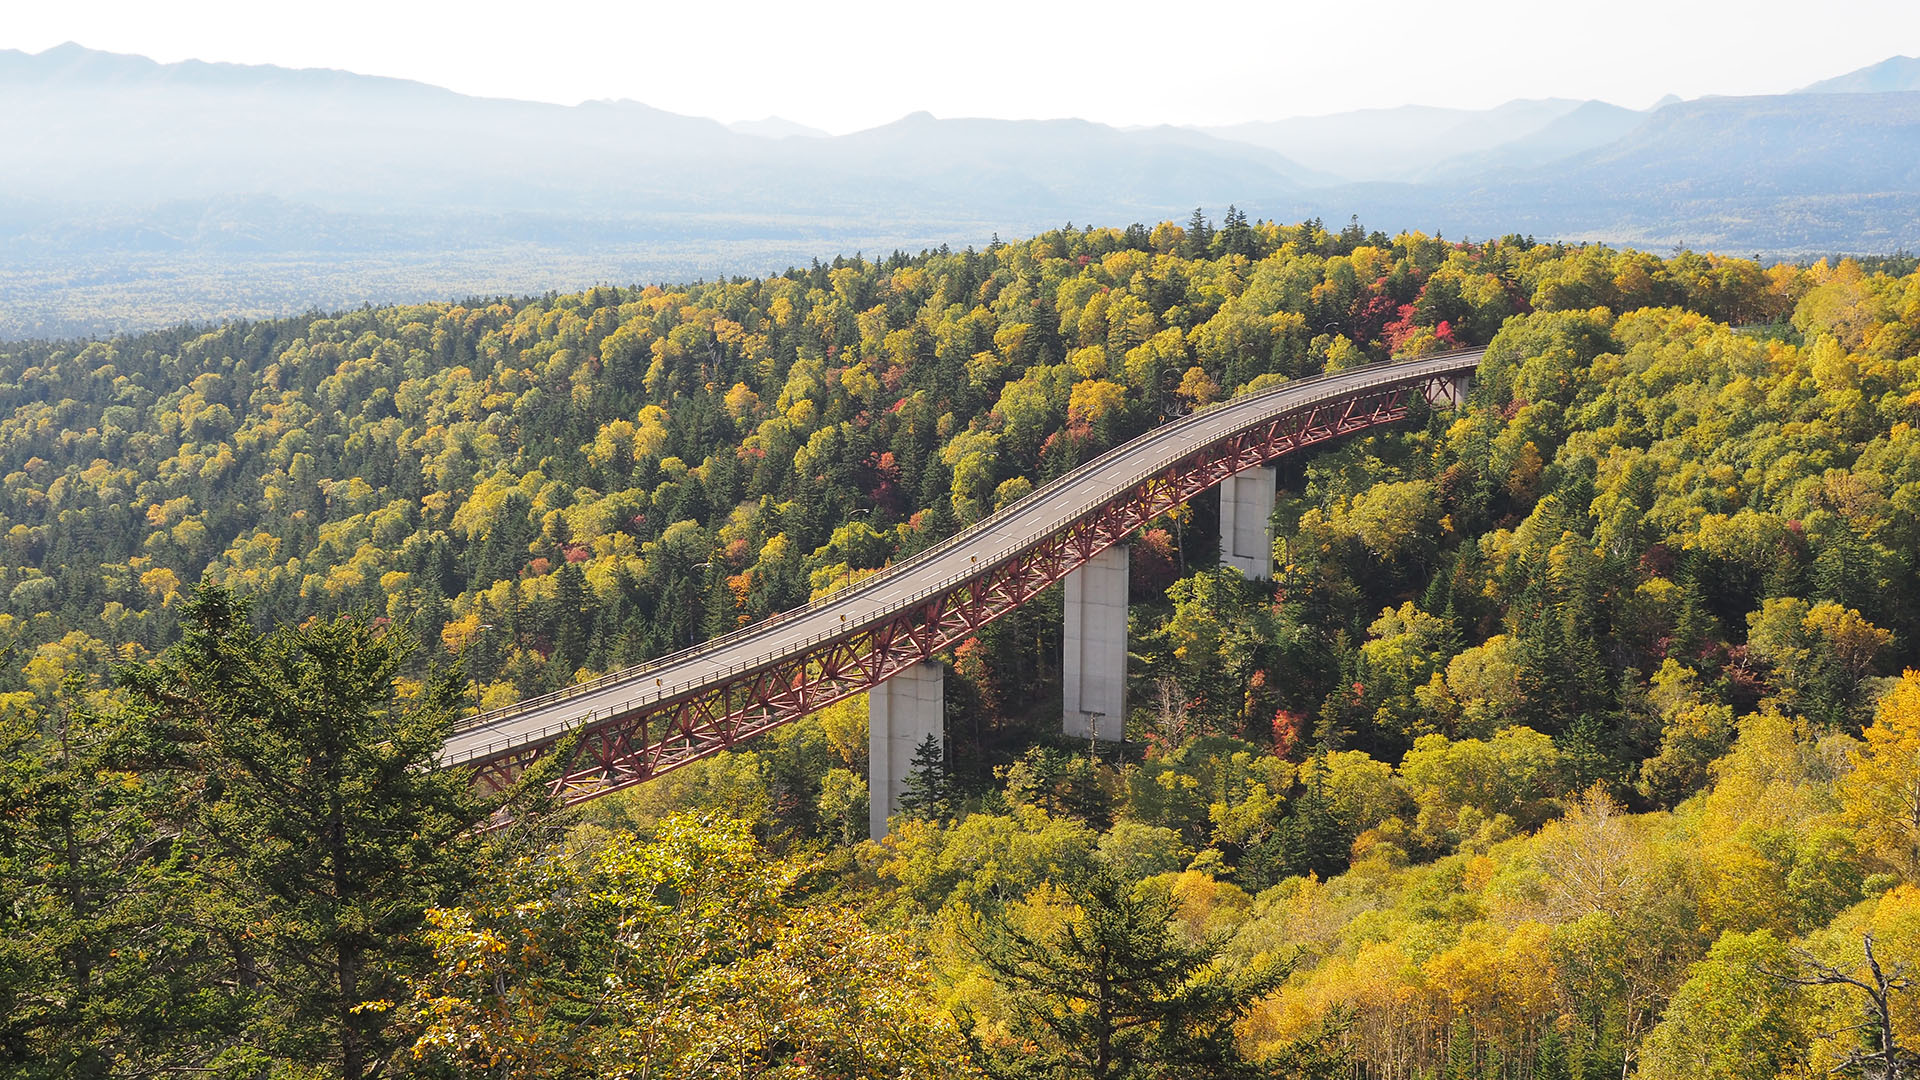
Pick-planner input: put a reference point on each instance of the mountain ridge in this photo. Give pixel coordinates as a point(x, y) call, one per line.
point(192, 169)
point(1893, 73)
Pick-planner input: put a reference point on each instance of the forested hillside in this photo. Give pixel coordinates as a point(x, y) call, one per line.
point(607, 476)
point(1568, 741)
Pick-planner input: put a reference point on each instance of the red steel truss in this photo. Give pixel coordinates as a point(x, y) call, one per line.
point(657, 736)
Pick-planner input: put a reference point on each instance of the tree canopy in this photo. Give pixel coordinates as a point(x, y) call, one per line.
point(1570, 738)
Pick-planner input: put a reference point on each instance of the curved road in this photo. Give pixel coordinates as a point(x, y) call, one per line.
point(969, 553)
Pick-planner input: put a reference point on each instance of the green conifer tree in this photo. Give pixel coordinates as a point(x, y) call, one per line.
point(1461, 1063)
point(1550, 1056)
point(929, 788)
point(318, 807)
point(1115, 992)
point(100, 957)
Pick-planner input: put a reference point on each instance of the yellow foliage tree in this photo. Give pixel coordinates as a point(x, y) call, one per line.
point(1882, 793)
point(1095, 399)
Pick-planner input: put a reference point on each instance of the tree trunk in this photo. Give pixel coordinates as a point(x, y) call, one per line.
point(1103, 1025)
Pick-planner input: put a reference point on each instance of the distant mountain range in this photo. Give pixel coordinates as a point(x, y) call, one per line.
point(777, 127)
point(1891, 75)
point(265, 188)
point(1397, 144)
point(1791, 174)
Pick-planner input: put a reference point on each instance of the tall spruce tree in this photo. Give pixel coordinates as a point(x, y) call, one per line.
point(100, 960)
point(1461, 1063)
point(1550, 1061)
point(929, 787)
point(1114, 992)
point(323, 828)
point(1199, 234)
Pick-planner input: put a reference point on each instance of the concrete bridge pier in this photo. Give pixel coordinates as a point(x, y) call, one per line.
point(1450, 390)
point(1093, 669)
point(1246, 523)
point(901, 713)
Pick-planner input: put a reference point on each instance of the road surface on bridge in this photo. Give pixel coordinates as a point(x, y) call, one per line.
point(971, 552)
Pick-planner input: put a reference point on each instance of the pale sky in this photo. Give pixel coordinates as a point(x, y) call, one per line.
point(843, 65)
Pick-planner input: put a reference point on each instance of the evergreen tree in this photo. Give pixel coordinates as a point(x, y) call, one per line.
point(1353, 235)
point(929, 787)
point(1199, 234)
point(316, 799)
point(1460, 1051)
point(1114, 992)
point(720, 614)
point(1550, 1056)
point(1310, 839)
point(1846, 571)
point(570, 630)
point(1236, 237)
point(101, 967)
point(1064, 784)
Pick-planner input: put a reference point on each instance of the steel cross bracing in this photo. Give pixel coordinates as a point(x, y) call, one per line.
point(636, 724)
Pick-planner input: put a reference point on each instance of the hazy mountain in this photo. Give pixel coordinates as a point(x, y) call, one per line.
point(777, 127)
point(1892, 74)
point(1396, 144)
point(112, 132)
point(134, 192)
point(1856, 144)
point(84, 126)
point(203, 190)
point(1787, 174)
point(1592, 125)
point(1057, 168)
point(71, 66)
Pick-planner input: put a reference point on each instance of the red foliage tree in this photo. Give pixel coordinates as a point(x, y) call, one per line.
point(1288, 729)
point(1154, 564)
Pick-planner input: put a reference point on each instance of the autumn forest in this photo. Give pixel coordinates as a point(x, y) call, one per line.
point(1573, 738)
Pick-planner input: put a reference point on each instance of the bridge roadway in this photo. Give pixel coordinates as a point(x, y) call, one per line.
point(972, 552)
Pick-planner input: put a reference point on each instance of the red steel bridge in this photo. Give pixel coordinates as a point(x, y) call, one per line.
point(635, 724)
